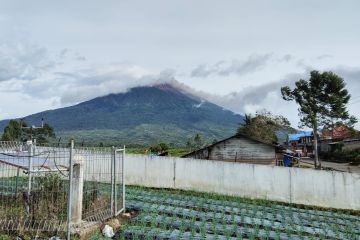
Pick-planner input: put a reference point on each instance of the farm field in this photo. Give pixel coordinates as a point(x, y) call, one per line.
point(172, 214)
point(175, 214)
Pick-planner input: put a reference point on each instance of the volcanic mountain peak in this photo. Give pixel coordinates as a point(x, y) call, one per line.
point(163, 112)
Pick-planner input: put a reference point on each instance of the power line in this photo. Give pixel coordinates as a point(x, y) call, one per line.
point(354, 100)
point(358, 101)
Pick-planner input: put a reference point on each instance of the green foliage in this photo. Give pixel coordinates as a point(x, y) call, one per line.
point(338, 154)
point(176, 152)
point(12, 132)
point(49, 199)
point(196, 142)
point(264, 125)
point(43, 134)
point(322, 101)
point(19, 131)
point(159, 148)
point(146, 135)
point(139, 118)
point(164, 213)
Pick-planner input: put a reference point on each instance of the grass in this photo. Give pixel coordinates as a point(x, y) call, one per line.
point(47, 205)
point(174, 152)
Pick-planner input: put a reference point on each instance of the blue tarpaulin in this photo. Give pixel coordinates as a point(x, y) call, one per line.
point(297, 136)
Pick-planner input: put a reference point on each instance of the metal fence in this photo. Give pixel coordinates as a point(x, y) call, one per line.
point(49, 190)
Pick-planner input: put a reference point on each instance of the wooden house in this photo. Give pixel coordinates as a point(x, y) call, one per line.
point(238, 148)
point(301, 142)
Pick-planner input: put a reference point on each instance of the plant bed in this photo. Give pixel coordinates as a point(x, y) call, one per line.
point(173, 214)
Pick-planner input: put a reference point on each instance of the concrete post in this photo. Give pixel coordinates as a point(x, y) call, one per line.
point(113, 185)
point(69, 208)
point(77, 189)
point(30, 155)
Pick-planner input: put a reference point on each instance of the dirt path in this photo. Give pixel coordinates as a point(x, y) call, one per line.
point(343, 167)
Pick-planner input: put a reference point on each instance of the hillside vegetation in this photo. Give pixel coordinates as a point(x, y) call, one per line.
point(140, 117)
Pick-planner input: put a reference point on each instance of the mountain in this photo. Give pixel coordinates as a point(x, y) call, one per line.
point(140, 117)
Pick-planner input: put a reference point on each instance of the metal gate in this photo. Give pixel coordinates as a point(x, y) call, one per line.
point(119, 181)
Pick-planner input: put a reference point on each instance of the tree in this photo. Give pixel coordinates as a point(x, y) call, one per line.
point(322, 101)
point(159, 148)
point(19, 131)
point(264, 125)
point(196, 142)
point(43, 134)
point(12, 132)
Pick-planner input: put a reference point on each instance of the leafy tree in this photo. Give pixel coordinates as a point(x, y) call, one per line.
point(159, 148)
point(195, 143)
point(164, 147)
point(43, 134)
point(322, 102)
point(12, 132)
point(198, 141)
point(190, 144)
point(19, 131)
point(264, 125)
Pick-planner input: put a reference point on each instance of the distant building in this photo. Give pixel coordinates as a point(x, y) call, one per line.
point(339, 132)
point(339, 138)
point(301, 142)
point(238, 148)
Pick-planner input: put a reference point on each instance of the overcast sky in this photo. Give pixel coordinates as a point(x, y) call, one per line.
point(238, 53)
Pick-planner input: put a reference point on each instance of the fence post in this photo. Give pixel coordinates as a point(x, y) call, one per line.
point(123, 178)
point(115, 187)
point(30, 153)
point(112, 170)
point(77, 189)
point(70, 190)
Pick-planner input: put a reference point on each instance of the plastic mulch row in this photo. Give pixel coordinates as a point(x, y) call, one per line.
point(218, 228)
point(328, 222)
point(296, 218)
point(323, 213)
point(210, 216)
point(141, 232)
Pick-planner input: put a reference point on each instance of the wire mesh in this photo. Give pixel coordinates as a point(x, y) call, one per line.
point(35, 186)
point(97, 187)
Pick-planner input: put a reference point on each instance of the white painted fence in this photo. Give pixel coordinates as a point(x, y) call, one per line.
point(291, 185)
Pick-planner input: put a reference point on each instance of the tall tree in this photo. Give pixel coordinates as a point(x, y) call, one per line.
point(322, 101)
point(12, 132)
point(264, 125)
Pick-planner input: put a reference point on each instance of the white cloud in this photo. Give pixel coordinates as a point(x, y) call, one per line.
point(62, 79)
point(21, 61)
point(253, 63)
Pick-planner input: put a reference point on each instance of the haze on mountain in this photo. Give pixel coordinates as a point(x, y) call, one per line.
point(140, 117)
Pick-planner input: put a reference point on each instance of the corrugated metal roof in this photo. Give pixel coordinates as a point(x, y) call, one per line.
point(297, 136)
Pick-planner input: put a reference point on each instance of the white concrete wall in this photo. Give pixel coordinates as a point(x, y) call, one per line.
point(291, 185)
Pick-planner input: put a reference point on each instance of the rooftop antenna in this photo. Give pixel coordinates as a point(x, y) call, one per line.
point(31, 127)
